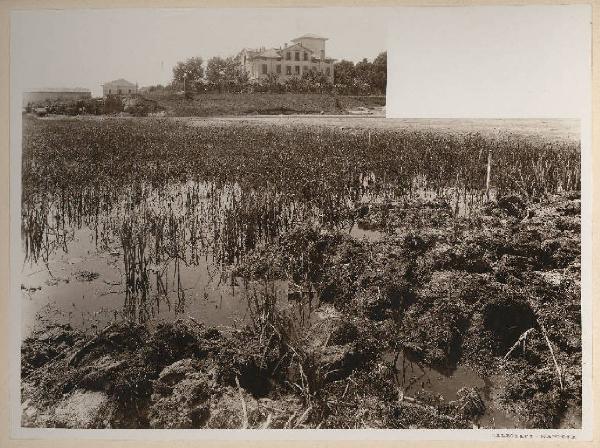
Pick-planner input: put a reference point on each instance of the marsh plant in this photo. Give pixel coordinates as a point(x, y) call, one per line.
point(165, 195)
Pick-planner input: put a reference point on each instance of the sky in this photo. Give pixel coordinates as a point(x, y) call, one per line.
point(85, 48)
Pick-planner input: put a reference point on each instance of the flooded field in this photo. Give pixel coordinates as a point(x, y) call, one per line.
point(552, 128)
point(359, 277)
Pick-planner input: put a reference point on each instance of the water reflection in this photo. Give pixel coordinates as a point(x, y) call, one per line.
point(165, 250)
point(414, 377)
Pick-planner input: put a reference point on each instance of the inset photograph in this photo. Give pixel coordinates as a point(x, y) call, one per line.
point(220, 229)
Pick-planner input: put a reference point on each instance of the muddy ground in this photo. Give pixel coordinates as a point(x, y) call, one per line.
point(497, 292)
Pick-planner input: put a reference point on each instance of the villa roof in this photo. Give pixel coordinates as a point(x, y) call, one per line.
point(269, 53)
point(309, 36)
point(120, 82)
point(299, 45)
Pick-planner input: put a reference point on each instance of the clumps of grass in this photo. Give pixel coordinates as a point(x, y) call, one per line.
point(435, 334)
point(469, 404)
point(86, 276)
point(533, 396)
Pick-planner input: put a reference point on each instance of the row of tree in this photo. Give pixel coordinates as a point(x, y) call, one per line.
point(365, 75)
point(227, 75)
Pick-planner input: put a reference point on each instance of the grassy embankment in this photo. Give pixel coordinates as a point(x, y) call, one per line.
point(220, 104)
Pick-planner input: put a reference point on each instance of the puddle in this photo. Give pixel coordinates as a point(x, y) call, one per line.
point(360, 233)
point(413, 377)
point(67, 290)
point(572, 418)
point(145, 254)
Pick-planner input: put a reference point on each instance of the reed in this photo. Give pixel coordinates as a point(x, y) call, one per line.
point(167, 195)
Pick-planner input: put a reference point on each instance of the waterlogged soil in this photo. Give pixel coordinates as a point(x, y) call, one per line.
point(419, 317)
point(82, 286)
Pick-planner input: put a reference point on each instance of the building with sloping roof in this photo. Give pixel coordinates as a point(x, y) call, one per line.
point(305, 53)
point(51, 94)
point(119, 87)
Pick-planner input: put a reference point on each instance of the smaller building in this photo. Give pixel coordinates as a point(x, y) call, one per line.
point(119, 87)
point(51, 94)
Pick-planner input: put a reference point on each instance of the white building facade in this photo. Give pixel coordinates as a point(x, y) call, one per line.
point(119, 87)
point(306, 53)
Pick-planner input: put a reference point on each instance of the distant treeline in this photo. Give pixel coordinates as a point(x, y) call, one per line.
point(227, 75)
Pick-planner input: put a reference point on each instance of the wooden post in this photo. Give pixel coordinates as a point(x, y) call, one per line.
point(489, 173)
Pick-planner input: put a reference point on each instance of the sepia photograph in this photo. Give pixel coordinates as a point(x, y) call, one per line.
point(225, 223)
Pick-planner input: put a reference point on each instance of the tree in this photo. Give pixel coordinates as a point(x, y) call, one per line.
point(270, 83)
point(225, 73)
point(316, 81)
point(344, 73)
point(363, 73)
point(364, 77)
point(215, 70)
point(188, 74)
point(292, 84)
point(379, 77)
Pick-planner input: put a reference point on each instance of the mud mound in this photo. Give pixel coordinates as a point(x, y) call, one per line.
point(534, 396)
point(469, 405)
point(236, 409)
point(45, 345)
point(181, 395)
point(469, 253)
point(512, 205)
point(386, 286)
point(334, 349)
point(435, 333)
point(406, 214)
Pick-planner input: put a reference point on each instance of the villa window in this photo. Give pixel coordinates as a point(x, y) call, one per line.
point(288, 69)
point(278, 69)
point(297, 69)
point(119, 91)
point(305, 56)
point(297, 56)
point(328, 71)
point(288, 56)
point(264, 69)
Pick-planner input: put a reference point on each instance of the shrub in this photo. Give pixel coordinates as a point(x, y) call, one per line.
point(113, 104)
